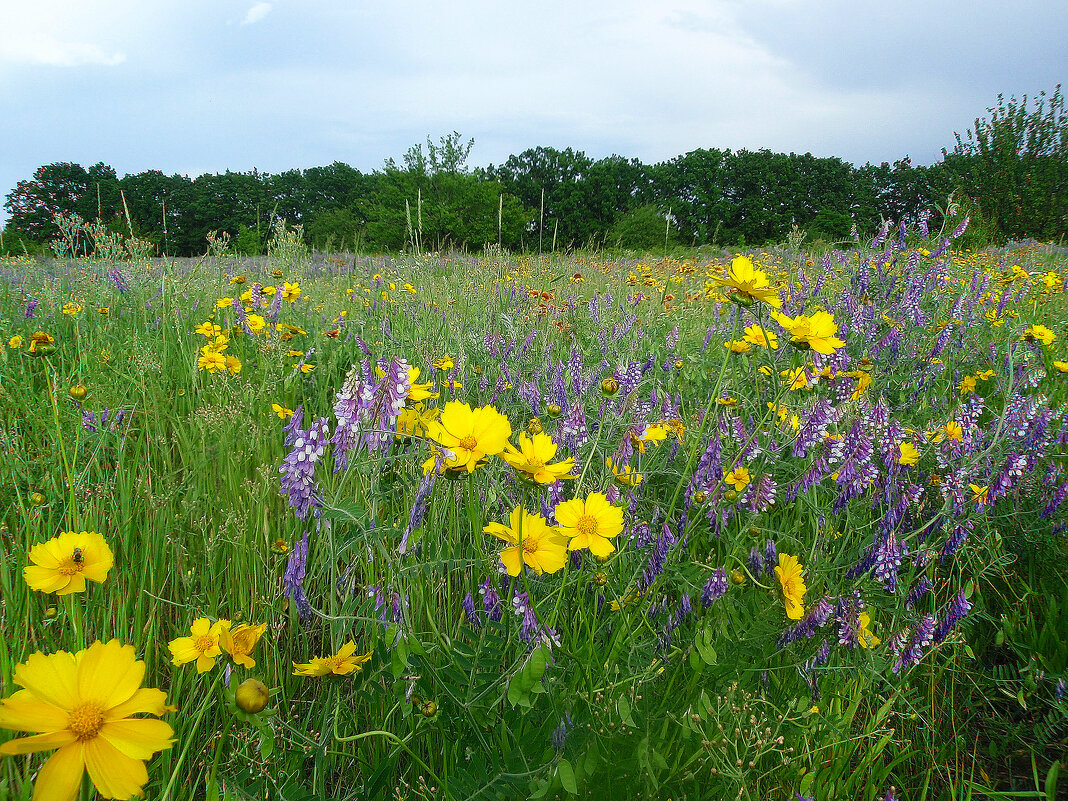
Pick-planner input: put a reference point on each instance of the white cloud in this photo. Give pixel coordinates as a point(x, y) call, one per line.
point(256, 13)
point(47, 50)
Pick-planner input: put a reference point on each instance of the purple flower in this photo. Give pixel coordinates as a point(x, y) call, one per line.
point(117, 280)
point(491, 600)
point(468, 604)
point(921, 638)
point(954, 612)
point(31, 307)
point(715, 588)
point(923, 586)
point(771, 557)
point(298, 467)
point(293, 580)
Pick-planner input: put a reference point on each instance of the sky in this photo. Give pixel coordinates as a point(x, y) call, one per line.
point(196, 86)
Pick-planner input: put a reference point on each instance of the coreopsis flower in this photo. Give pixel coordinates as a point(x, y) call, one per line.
point(654, 432)
point(15, 341)
point(907, 454)
point(256, 323)
point(290, 291)
point(738, 478)
point(625, 474)
point(1061, 367)
point(39, 340)
point(83, 705)
point(306, 368)
point(749, 284)
point(469, 435)
point(534, 542)
point(591, 523)
point(64, 563)
point(72, 308)
point(967, 385)
point(344, 662)
point(738, 346)
point(282, 412)
point(445, 363)
point(953, 431)
point(797, 379)
point(980, 495)
point(238, 279)
point(792, 580)
point(760, 336)
point(533, 456)
point(233, 365)
point(212, 362)
point(240, 641)
point(413, 420)
point(416, 391)
point(864, 635)
point(816, 331)
point(202, 647)
point(224, 303)
point(104, 310)
point(208, 329)
point(1039, 333)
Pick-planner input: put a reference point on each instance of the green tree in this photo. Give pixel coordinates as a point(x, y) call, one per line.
point(1014, 164)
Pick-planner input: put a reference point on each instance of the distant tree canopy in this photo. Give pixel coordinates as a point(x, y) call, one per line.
point(1012, 167)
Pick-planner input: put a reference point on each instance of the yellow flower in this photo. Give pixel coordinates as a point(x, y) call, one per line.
point(626, 475)
point(967, 384)
point(761, 336)
point(535, 543)
point(980, 494)
point(1062, 367)
point(238, 279)
point(953, 431)
point(295, 354)
point(533, 457)
point(233, 365)
point(865, 636)
point(15, 341)
point(413, 420)
point(223, 303)
point(792, 580)
point(63, 563)
point(416, 392)
point(907, 454)
point(212, 362)
point(39, 339)
point(816, 331)
point(444, 363)
point(986, 375)
point(202, 647)
point(796, 378)
point(655, 432)
point(290, 291)
point(738, 346)
point(739, 478)
point(469, 435)
point(281, 411)
point(208, 329)
point(72, 308)
point(307, 368)
point(1039, 333)
point(256, 323)
point(82, 704)
point(104, 310)
point(590, 524)
point(342, 663)
point(239, 642)
point(749, 284)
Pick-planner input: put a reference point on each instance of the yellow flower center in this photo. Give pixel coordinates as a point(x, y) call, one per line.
point(530, 545)
point(586, 525)
point(85, 720)
point(469, 442)
point(534, 465)
point(204, 643)
point(70, 567)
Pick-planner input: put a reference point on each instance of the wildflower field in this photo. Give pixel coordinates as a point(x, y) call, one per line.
point(760, 525)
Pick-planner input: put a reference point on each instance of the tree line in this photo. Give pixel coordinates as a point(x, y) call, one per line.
point(1010, 169)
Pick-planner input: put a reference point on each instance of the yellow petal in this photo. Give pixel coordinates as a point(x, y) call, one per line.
point(38, 742)
point(76, 584)
point(110, 672)
point(44, 579)
point(24, 711)
point(138, 738)
point(513, 563)
point(601, 547)
point(147, 700)
point(52, 678)
point(60, 777)
point(114, 774)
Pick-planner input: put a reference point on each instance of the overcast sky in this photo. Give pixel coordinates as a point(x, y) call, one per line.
point(194, 86)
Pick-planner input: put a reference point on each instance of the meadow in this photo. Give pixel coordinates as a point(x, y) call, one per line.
point(776, 524)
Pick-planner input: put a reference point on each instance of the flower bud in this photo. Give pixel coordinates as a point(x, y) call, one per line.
point(38, 498)
point(252, 696)
point(78, 391)
point(609, 387)
point(554, 410)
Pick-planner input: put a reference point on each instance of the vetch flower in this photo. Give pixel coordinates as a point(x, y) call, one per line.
point(82, 704)
point(63, 563)
point(202, 647)
point(535, 543)
point(533, 456)
point(792, 580)
point(344, 662)
point(591, 523)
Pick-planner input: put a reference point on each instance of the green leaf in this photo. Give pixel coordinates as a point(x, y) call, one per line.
point(806, 782)
point(1051, 780)
point(623, 707)
point(567, 776)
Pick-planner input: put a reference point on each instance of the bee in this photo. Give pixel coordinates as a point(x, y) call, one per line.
point(77, 556)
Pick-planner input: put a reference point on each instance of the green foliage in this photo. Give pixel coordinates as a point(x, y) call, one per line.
point(642, 228)
point(1014, 162)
